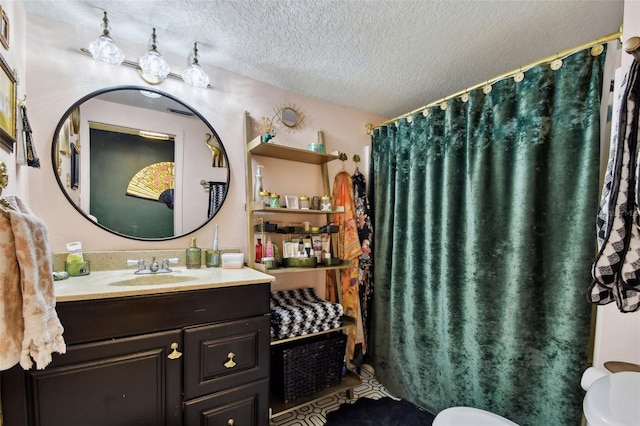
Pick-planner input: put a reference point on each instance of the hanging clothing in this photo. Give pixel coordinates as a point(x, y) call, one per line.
point(365, 261)
point(616, 269)
point(31, 330)
point(349, 250)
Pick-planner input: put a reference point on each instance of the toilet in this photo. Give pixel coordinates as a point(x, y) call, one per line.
point(468, 416)
point(612, 399)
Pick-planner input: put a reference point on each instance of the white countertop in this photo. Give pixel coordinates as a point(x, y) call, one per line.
point(108, 284)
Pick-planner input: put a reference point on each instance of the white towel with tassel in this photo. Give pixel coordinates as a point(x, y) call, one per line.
point(38, 330)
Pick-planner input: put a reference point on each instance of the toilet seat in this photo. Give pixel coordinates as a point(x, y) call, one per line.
point(469, 416)
point(612, 400)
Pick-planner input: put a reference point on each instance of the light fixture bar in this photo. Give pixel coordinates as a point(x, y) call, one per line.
point(134, 65)
point(154, 135)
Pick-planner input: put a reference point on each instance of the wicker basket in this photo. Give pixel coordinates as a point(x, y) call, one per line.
point(304, 367)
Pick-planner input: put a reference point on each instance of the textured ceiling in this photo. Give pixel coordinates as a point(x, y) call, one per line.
point(380, 57)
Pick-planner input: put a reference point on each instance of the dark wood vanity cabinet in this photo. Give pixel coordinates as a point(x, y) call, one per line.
point(186, 358)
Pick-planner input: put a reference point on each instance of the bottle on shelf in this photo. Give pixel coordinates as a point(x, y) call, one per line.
point(257, 186)
point(259, 250)
point(268, 250)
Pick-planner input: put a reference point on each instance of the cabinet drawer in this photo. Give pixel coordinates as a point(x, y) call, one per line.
point(223, 355)
point(134, 315)
point(246, 405)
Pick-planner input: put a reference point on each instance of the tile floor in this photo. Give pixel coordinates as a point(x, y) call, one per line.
point(313, 414)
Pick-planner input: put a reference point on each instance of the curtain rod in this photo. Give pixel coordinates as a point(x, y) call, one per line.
point(559, 55)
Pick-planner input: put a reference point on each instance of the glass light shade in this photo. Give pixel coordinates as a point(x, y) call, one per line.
point(104, 49)
point(195, 76)
point(154, 65)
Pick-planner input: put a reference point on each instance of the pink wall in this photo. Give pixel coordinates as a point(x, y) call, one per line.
point(58, 75)
point(16, 57)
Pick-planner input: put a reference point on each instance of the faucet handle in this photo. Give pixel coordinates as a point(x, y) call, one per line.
point(166, 262)
point(139, 263)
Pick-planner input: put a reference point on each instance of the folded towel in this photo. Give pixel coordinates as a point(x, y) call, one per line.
point(39, 330)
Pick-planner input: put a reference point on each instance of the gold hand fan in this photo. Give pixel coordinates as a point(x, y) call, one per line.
point(154, 182)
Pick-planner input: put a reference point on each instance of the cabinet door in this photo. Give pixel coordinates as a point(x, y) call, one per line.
point(246, 405)
point(117, 382)
point(224, 355)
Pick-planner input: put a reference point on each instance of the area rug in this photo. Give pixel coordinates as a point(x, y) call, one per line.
point(379, 412)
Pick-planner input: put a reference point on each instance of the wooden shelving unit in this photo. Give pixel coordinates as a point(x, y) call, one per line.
point(255, 147)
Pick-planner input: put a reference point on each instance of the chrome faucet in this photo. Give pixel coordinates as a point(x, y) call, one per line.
point(154, 268)
point(154, 265)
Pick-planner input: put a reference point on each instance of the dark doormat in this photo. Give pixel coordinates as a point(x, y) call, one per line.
point(379, 412)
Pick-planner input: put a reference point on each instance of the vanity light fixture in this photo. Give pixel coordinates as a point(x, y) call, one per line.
point(154, 135)
point(103, 48)
point(194, 75)
point(151, 66)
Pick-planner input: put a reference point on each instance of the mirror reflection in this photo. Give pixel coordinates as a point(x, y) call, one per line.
point(289, 117)
point(140, 163)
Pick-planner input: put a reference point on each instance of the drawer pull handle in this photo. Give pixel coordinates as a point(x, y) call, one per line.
point(230, 364)
point(175, 354)
point(231, 422)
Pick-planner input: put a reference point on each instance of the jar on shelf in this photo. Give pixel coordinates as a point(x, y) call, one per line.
point(315, 203)
point(325, 203)
point(304, 202)
point(274, 200)
point(265, 197)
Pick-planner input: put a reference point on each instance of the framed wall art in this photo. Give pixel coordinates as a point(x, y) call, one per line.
point(7, 106)
point(4, 28)
point(75, 167)
point(292, 201)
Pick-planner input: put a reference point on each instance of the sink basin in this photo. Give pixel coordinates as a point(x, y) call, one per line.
point(154, 279)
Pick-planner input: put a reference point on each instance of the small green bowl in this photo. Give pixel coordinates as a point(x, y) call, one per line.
point(302, 262)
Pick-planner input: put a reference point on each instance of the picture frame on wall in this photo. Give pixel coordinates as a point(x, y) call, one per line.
point(8, 98)
point(291, 201)
point(64, 138)
point(75, 166)
point(4, 28)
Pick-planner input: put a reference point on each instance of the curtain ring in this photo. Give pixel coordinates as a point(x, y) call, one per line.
point(597, 50)
point(465, 97)
point(556, 64)
point(519, 76)
point(487, 88)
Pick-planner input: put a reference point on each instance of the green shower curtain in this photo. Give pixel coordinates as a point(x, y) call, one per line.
point(485, 232)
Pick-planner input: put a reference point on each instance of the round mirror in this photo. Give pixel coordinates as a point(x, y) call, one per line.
point(289, 117)
point(140, 163)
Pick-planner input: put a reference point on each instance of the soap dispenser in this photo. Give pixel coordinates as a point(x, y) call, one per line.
point(257, 185)
point(193, 256)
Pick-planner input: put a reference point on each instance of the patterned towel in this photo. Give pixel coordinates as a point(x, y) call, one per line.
point(301, 311)
point(616, 269)
point(31, 329)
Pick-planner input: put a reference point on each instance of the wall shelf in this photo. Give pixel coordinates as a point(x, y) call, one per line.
point(346, 323)
point(266, 149)
point(279, 407)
